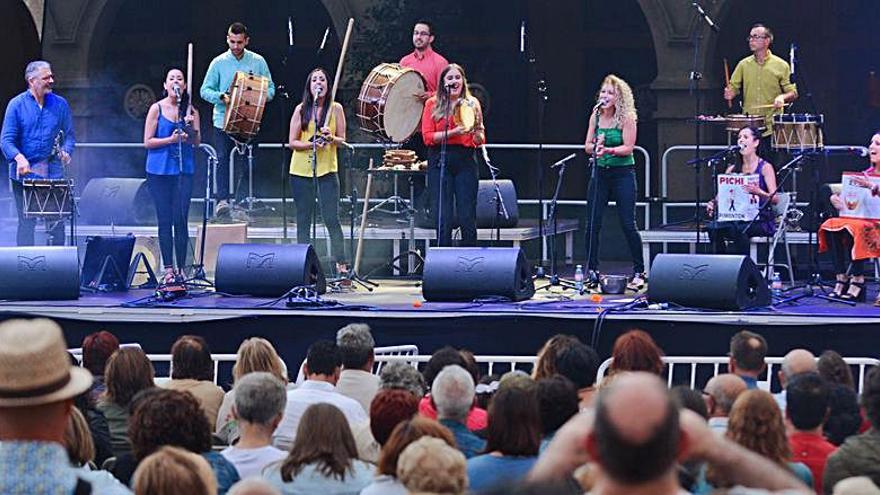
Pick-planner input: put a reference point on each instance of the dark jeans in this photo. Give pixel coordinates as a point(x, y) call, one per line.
point(224, 144)
point(460, 183)
point(328, 201)
point(619, 184)
point(172, 195)
point(26, 226)
point(839, 244)
point(737, 234)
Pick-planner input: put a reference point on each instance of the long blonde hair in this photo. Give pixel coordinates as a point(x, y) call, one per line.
point(625, 107)
point(442, 94)
point(258, 354)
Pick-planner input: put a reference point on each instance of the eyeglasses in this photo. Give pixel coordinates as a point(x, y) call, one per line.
point(757, 37)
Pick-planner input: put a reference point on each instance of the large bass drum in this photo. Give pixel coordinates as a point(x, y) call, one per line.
point(388, 106)
point(247, 100)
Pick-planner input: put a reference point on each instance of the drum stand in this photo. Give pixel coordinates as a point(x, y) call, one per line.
point(246, 149)
point(399, 205)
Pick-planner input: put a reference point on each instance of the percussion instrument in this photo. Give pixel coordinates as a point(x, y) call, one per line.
point(465, 114)
point(50, 199)
point(736, 122)
point(798, 132)
point(247, 100)
point(387, 104)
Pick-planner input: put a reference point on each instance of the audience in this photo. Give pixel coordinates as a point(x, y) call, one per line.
point(356, 380)
point(720, 393)
point(78, 441)
point(39, 385)
point(387, 410)
point(859, 455)
point(579, 363)
point(259, 405)
point(253, 486)
point(128, 372)
point(834, 370)
point(323, 458)
point(405, 433)
point(485, 390)
point(96, 350)
point(402, 376)
point(254, 354)
point(545, 366)
point(174, 470)
point(557, 403)
point(429, 465)
point(453, 395)
point(477, 418)
point(807, 397)
point(322, 372)
point(192, 370)
point(635, 350)
point(514, 435)
point(844, 415)
point(795, 362)
point(687, 398)
point(747, 353)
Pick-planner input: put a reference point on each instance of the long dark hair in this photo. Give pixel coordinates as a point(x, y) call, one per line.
point(756, 134)
point(322, 437)
point(308, 100)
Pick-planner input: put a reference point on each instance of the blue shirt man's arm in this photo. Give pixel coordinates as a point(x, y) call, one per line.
point(11, 131)
point(210, 90)
point(67, 127)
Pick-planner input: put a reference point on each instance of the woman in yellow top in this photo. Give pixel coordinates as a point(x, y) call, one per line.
point(310, 177)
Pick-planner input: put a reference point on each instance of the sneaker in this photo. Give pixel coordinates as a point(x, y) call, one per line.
point(638, 282)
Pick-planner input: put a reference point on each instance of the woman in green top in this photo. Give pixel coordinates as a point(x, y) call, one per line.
point(611, 137)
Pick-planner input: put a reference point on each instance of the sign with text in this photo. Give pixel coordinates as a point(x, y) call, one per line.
point(858, 201)
point(734, 203)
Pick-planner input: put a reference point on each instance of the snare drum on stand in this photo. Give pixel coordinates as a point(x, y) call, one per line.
point(47, 199)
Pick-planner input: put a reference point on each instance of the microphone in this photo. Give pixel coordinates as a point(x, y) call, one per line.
point(705, 16)
point(176, 89)
point(733, 149)
point(324, 40)
point(522, 37)
point(856, 150)
point(345, 143)
point(289, 31)
point(449, 86)
point(560, 162)
point(791, 60)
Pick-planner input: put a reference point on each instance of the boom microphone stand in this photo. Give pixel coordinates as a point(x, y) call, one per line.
point(555, 279)
point(541, 88)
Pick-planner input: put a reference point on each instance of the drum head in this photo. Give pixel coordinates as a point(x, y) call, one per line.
point(403, 110)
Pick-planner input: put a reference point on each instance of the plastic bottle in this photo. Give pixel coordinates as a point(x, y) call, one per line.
point(776, 285)
point(579, 279)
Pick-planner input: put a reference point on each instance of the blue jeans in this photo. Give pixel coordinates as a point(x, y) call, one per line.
point(460, 183)
point(619, 184)
point(172, 195)
point(328, 201)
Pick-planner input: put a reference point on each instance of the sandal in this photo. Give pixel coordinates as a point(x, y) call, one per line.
point(170, 277)
point(638, 282)
point(857, 295)
point(840, 287)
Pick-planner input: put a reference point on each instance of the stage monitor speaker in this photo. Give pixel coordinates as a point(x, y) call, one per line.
point(39, 273)
point(465, 274)
point(116, 201)
point(486, 208)
point(267, 270)
point(728, 282)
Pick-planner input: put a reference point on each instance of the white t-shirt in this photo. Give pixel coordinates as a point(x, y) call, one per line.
point(250, 462)
point(308, 393)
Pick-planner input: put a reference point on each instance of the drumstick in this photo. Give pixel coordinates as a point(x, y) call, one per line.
point(769, 105)
point(339, 66)
point(189, 76)
point(360, 246)
point(727, 81)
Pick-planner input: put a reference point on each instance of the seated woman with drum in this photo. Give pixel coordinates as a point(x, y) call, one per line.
point(455, 116)
point(851, 240)
point(737, 233)
point(315, 174)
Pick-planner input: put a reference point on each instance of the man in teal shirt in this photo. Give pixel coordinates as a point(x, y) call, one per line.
point(214, 91)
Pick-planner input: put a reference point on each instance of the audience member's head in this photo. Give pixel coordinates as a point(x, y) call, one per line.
point(514, 420)
point(174, 470)
point(78, 440)
point(128, 372)
point(721, 392)
point(688, 398)
point(844, 414)
point(797, 361)
point(398, 375)
point(442, 358)
point(453, 393)
point(323, 361)
point(806, 401)
point(636, 433)
point(557, 402)
point(871, 396)
point(834, 369)
point(260, 398)
point(191, 359)
point(635, 350)
point(578, 362)
point(388, 409)
point(258, 354)
point(470, 364)
point(430, 465)
point(356, 345)
point(324, 438)
point(856, 485)
point(545, 367)
point(756, 424)
point(747, 353)
point(253, 486)
point(485, 390)
point(168, 417)
point(405, 433)
point(96, 350)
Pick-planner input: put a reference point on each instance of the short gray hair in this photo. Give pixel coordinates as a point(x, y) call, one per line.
point(356, 344)
point(453, 393)
point(259, 398)
point(32, 68)
point(402, 376)
point(253, 486)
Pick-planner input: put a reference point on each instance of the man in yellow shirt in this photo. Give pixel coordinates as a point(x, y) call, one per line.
point(763, 78)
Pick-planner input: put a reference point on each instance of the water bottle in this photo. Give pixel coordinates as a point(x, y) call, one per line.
point(579, 278)
point(776, 285)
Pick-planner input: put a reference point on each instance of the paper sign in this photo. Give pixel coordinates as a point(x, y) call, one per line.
point(734, 203)
point(858, 202)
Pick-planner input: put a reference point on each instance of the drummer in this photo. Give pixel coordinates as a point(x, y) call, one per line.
point(765, 81)
point(215, 89)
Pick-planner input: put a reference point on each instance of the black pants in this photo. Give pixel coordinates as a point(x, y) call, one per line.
point(619, 184)
point(26, 226)
point(172, 195)
point(841, 255)
point(460, 183)
point(737, 234)
point(224, 144)
point(328, 201)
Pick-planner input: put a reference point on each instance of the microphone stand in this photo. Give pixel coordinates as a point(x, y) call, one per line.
point(541, 92)
point(500, 208)
point(592, 275)
point(555, 279)
point(353, 275)
point(313, 219)
point(443, 142)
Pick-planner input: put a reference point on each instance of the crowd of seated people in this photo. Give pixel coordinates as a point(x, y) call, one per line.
point(346, 430)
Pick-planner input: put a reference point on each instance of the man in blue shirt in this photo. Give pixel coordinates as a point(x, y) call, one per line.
point(35, 119)
point(215, 91)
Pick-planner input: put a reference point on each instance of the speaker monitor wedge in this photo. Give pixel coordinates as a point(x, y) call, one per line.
point(728, 282)
point(116, 201)
point(267, 270)
point(39, 273)
point(465, 274)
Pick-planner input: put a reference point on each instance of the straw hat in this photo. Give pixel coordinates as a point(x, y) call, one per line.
point(35, 368)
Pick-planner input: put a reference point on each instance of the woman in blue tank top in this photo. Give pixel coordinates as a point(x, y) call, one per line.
point(170, 141)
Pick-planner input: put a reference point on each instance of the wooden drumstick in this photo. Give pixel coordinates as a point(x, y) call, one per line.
point(727, 81)
point(348, 30)
point(189, 77)
point(360, 246)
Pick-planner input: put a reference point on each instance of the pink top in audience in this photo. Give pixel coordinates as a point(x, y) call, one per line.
point(478, 418)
